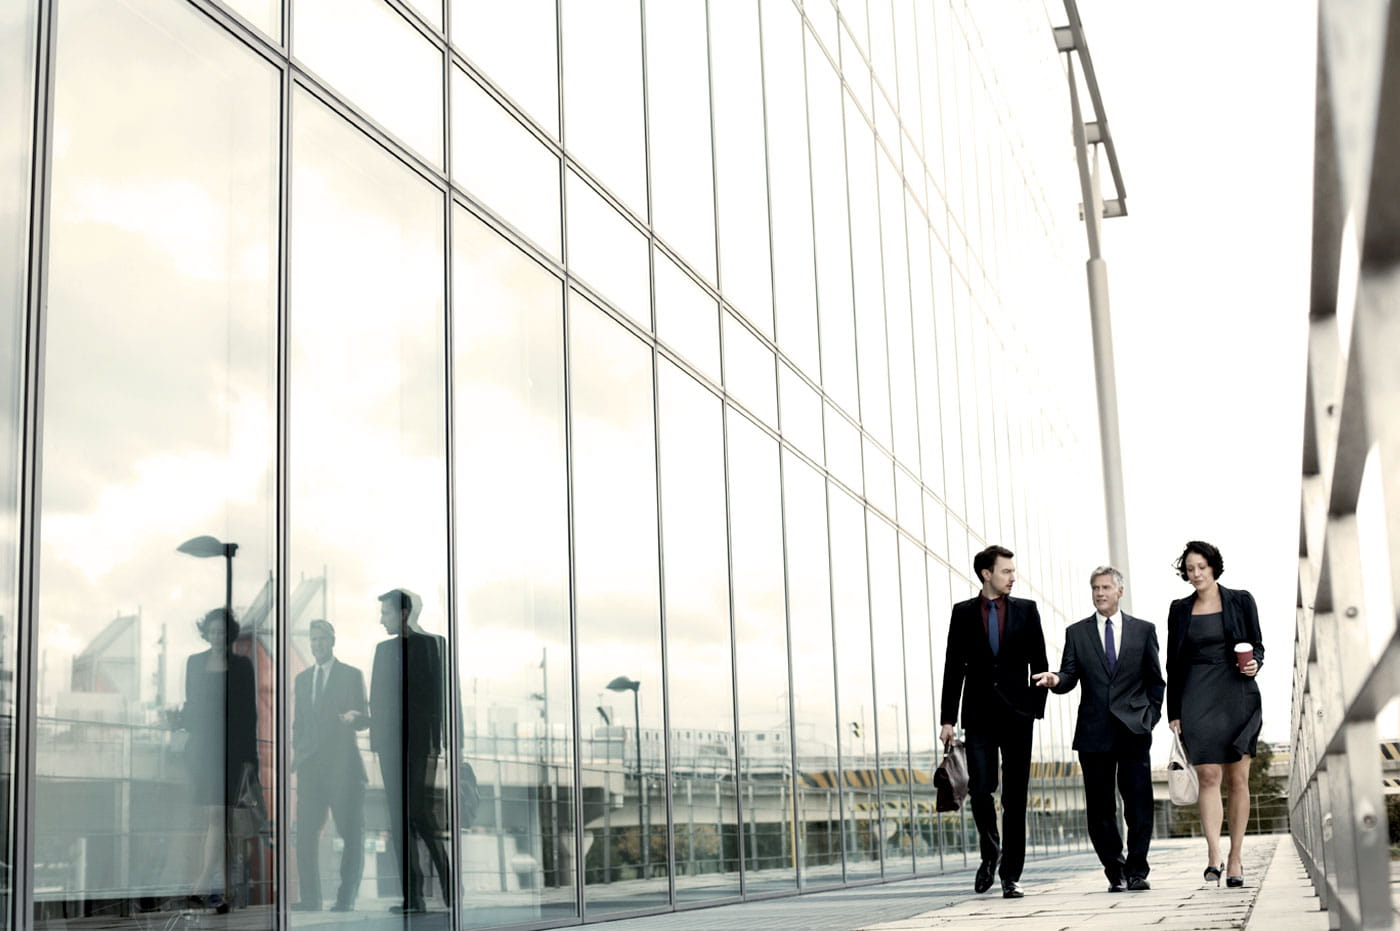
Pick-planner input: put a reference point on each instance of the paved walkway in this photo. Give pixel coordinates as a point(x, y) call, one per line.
point(1062, 893)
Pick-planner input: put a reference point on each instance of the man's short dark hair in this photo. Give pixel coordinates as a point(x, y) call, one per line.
point(398, 597)
point(987, 559)
point(1204, 550)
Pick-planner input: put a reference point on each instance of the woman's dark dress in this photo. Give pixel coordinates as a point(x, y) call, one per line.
point(221, 715)
point(1221, 712)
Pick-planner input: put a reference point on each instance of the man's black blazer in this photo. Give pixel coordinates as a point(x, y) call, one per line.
point(993, 689)
point(1241, 618)
point(1132, 694)
point(322, 743)
point(405, 696)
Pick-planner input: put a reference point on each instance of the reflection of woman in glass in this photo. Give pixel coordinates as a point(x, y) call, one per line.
point(1213, 701)
point(221, 717)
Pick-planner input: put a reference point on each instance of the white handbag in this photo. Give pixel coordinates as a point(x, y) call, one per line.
point(1182, 785)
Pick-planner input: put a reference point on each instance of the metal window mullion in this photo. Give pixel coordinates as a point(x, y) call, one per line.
point(31, 456)
point(454, 740)
point(835, 678)
point(874, 688)
point(580, 868)
point(282, 467)
point(660, 519)
point(739, 780)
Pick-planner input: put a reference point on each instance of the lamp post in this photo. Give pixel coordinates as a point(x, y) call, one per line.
point(624, 684)
point(206, 547)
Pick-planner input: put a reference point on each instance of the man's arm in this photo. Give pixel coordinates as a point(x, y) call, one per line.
point(1068, 677)
point(954, 672)
point(1152, 680)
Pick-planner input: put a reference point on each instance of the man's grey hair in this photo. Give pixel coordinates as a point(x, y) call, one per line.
point(1107, 570)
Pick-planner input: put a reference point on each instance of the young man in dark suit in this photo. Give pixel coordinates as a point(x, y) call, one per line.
point(405, 729)
point(995, 643)
point(328, 707)
point(1113, 657)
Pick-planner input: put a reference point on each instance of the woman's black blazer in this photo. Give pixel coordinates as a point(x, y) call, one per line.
point(1241, 619)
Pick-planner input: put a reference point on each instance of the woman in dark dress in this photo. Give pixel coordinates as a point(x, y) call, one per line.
point(1211, 702)
point(221, 715)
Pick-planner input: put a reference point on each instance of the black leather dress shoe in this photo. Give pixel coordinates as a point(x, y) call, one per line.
point(1117, 885)
point(1138, 884)
point(1012, 890)
point(985, 873)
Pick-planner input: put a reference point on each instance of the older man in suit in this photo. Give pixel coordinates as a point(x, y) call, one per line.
point(328, 707)
point(1113, 657)
point(995, 642)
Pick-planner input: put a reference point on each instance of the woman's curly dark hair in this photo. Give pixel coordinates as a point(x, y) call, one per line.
point(1206, 551)
point(231, 628)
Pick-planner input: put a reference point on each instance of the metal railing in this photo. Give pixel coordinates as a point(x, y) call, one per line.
point(1347, 652)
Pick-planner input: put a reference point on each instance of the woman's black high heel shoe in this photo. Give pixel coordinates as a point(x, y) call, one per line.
point(1213, 872)
point(1235, 882)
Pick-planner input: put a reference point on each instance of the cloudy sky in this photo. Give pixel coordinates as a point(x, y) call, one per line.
point(1210, 106)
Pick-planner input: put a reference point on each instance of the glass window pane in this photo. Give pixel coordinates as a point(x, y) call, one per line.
point(919, 726)
point(618, 611)
point(687, 318)
point(603, 108)
point(909, 501)
point(264, 14)
point(760, 643)
point(843, 449)
point(850, 598)
point(741, 178)
point(697, 638)
point(832, 224)
point(818, 789)
point(367, 474)
point(925, 348)
point(512, 576)
point(430, 10)
point(607, 252)
point(517, 45)
point(748, 371)
point(678, 110)
point(380, 62)
point(789, 184)
point(18, 35)
point(802, 412)
point(898, 323)
point(866, 268)
point(886, 627)
point(501, 162)
point(879, 476)
point(162, 304)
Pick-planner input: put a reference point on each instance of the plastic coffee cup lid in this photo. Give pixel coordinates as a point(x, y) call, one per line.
point(1244, 647)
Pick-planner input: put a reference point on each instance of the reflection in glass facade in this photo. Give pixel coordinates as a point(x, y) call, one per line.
point(513, 462)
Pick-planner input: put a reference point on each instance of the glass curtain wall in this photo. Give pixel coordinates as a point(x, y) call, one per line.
point(519, 459)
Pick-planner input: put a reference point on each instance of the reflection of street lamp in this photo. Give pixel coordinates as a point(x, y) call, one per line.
point(624, 684)
point(206, 547)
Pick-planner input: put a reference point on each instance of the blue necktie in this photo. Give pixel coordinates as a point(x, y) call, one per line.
point(1109, 652)
point(993, 633)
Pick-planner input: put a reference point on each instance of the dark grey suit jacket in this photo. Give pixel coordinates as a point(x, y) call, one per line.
point(322, 743)
point(1132, 693)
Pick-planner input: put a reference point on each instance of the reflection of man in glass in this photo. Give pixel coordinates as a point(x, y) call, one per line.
point(221, 715)
point(405, 730)
point(329, 708)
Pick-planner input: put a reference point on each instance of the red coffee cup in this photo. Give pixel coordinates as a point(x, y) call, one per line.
point(1244, 652)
